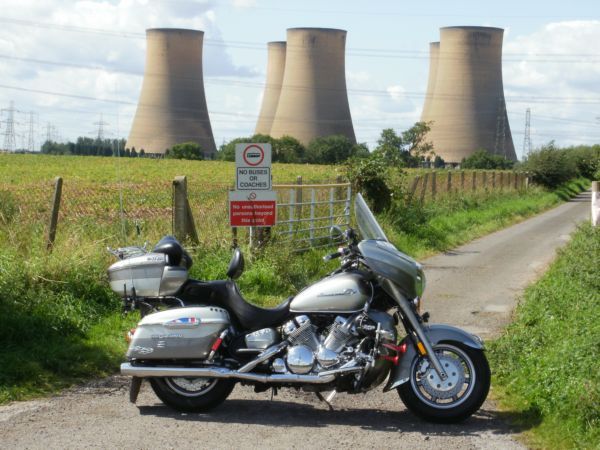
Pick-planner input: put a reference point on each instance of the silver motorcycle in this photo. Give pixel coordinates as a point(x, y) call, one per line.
point(340, 334)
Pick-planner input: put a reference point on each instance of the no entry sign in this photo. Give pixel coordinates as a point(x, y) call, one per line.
point(252, 209)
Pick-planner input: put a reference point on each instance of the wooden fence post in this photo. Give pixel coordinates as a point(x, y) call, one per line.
point(424, 188)
point(299, 196)
point(493, 180)
point(473, 181)
point(515, 181)
point(501, 180)
point(433, 185)
point(54, 214)
point(484, 180)
point(183, 221)
point(413, 188)
point(449, 183)
point(462, 180)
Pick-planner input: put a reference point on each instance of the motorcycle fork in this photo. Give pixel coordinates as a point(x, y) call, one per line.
point(415, 330)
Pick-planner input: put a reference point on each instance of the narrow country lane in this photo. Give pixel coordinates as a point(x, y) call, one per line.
point(475, 286)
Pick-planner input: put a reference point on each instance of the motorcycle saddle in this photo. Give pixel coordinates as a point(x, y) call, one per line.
point(227, 295)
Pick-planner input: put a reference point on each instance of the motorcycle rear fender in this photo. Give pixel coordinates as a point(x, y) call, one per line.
point(437, 333)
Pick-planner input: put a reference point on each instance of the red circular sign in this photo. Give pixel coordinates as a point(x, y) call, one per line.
point(253, 155)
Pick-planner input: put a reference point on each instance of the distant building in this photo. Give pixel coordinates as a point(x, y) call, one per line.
point(172, 106)
point(465, 94)
point(313, 101)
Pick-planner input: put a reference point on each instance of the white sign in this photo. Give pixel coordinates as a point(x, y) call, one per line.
point(253, 167)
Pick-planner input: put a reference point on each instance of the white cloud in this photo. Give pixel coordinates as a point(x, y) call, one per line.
point(555, 72)
point(243, 3)
point(83, 35)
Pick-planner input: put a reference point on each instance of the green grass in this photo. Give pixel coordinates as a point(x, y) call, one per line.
point(547, 361)
point(423, 230)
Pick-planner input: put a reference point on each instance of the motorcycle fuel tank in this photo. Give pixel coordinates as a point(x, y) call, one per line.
point(341, 293)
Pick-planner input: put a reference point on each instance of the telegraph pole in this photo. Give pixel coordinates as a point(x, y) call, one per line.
point(527, 138)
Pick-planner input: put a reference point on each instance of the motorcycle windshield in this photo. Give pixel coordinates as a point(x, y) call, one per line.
point(367, 224)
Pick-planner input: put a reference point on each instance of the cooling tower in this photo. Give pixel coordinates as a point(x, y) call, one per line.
point(434, 49)
point(172, 106)
point(313, 101)
point(275, 66)
point(467, 106)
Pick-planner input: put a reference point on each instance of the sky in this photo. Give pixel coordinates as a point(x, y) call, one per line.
point(68, 66)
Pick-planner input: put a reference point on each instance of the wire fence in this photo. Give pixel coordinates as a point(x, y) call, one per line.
point(136, 212)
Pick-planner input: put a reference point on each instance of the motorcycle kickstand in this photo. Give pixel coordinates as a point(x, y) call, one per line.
point(327, 399)
point(134, 389)
point(273, 392)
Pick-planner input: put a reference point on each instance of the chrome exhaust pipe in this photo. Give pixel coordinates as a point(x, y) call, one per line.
point(221, 372)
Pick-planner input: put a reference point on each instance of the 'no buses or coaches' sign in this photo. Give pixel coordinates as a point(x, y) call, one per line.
point(253, 167)
point(253, 203)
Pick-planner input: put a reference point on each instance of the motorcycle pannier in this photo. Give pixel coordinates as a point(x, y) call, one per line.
point(149, 274)
point(179, 333)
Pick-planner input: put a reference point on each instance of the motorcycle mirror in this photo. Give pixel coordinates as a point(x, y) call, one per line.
point(336, 233)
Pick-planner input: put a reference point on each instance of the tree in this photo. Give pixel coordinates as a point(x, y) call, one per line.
point(369, 176)
point(185, 150)
point(333, 149)
point(407, 149)
point(438, 162)
point(288, 149)
point(481, 159)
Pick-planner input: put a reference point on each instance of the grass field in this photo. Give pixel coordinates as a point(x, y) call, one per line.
point(546, 363)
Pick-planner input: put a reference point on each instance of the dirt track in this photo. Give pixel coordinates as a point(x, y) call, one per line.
point(474, 286)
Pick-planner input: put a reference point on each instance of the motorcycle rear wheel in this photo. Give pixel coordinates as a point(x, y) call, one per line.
point(192, 394)
point(454, 399)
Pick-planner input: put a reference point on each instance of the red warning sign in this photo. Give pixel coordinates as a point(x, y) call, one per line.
point(254, 209)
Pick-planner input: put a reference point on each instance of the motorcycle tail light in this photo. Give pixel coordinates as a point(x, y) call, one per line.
point(129, 335)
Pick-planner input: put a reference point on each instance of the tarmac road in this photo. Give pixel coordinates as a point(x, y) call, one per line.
point(474, 286)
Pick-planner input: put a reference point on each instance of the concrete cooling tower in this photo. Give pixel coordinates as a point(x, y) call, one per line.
point(434, 50)
point(172, 106)
point(313, 101)
point(467, 103)
point(275, 66)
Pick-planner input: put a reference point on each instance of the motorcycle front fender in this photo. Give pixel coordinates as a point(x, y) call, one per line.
point(436, 333)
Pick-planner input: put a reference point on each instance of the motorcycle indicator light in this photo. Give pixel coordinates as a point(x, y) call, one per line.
point(421, 348)
point(129, 335)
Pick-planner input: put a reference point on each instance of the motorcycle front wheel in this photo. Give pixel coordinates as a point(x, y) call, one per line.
point(192, 394)
point(458, 396)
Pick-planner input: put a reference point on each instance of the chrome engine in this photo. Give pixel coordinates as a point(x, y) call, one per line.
point(310, 352)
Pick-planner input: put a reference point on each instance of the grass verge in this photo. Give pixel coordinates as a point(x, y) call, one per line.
point(546, 363)
point(423, 230)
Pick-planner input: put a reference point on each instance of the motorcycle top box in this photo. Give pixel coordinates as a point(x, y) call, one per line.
point(182, 333)
point(149, 274)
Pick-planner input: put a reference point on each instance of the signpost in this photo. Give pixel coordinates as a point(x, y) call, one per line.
point(253, 203)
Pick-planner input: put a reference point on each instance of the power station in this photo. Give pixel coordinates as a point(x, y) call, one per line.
point(313, 101)
point(465, 94)
point(172, 106)
point(275, 67)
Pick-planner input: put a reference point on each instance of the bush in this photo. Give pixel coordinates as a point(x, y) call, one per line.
point(186, 150)
point(481, 159)
point(370, 176)
point(586, 159)
point(550, 166)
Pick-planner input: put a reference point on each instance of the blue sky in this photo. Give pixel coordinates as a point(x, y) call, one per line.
point(71, 61)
